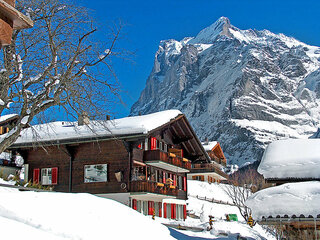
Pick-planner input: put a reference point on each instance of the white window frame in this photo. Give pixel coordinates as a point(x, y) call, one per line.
point(146, 145)
point(46, 176)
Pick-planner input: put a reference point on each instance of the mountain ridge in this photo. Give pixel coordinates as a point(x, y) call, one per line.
point(244, 88)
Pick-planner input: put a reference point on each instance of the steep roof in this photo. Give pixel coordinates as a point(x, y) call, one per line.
point(288, 199)
point(292, 158)
point(64, 131)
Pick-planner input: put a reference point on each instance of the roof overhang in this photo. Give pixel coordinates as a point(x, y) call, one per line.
point(166, 166)
point(19, 20)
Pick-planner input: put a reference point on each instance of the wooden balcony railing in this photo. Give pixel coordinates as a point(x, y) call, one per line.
point(203, 167)
point(158, 155)
point(154, 187)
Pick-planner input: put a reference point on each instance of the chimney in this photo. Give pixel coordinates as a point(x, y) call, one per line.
point(83, 119)
point(108, 117)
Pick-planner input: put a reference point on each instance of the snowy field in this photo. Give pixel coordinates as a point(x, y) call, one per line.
point(49, 215)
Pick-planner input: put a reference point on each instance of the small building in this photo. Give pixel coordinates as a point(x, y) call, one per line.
point(292, 160)
point(141, 161)
point(212, 171)
point(292, 206)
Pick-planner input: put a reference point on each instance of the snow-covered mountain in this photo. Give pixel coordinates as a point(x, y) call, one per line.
point(244, 88)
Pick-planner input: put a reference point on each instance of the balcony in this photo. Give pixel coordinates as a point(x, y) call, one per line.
point(167, 161)
point(147, 187)
point(208, 167)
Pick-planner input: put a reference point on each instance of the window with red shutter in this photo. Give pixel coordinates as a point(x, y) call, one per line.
point(134, 204)
point(184, 211)
point(173, 211)
point(160, 209)
point(36, 175)
point(165, 210)
point(153, 143)
point(184, 183)
point(54, 172)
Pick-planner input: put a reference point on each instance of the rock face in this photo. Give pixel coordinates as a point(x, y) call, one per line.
point(243, 88)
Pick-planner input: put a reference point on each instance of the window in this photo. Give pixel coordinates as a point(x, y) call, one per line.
point(49, 176)
point(146, 144)
point(96, 173)
point(165, 147)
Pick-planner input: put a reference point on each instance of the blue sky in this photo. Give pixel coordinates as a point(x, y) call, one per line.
point(148, 22)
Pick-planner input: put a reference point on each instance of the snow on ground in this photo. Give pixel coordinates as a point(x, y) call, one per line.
point(49, 215)
point(222, 229)
point(292, 158)
point(287, 199)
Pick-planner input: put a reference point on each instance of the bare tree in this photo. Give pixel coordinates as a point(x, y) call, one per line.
point(242, 185)
point(57, 63)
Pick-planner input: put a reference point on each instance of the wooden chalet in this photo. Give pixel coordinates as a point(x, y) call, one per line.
point(140, 161)
point(281, 158)
point(210, 172)
point(293, 166)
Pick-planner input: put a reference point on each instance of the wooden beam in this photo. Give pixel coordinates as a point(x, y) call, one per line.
point(19, 20)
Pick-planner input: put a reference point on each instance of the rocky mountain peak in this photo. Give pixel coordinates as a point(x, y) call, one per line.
point(209, 34)
point(243, 88)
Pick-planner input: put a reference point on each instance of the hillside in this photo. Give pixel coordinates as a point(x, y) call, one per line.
point(243, 88)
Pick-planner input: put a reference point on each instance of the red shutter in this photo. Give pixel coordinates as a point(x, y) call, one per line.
point(174, 180)
point(36, 175)
point(165, 210)
point(160, 209)
point(150, 209)
point(139, 146)
point(173, 211)
point(134, 204)
point(184, 211)
point(164, 177)
point(54, 173)
point(153, 143)
point(182, 153)
point(184, 183)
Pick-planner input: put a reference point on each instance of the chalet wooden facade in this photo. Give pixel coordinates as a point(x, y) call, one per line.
point(144, 168)
point(210, 172)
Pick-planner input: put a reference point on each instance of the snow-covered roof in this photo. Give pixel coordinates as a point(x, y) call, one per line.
point(6, 117)
point(292, 158)
point(287, 199)
point(209, 145)
point(56, 131)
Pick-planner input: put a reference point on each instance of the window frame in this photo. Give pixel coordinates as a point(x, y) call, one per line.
point(86, 179)
point(49, 173)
